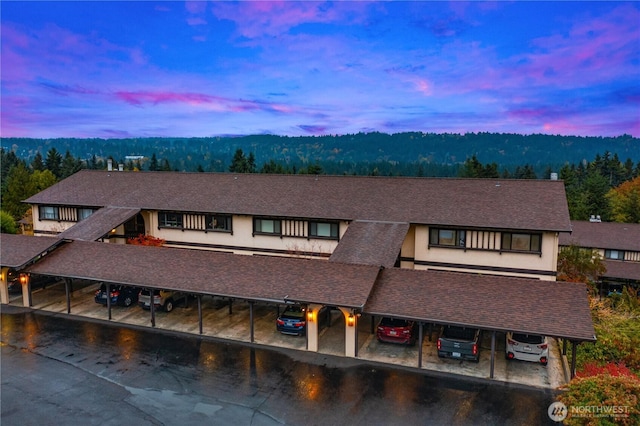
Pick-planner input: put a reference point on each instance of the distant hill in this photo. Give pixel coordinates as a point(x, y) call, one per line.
point(425, 149)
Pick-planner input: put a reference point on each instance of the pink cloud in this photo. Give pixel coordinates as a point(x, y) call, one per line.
point(196, 21)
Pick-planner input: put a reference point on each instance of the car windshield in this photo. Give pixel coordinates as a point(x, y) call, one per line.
point(532, 339)
point(293, 312)
point(392, 322)
point(146, 292)
point(460, 333)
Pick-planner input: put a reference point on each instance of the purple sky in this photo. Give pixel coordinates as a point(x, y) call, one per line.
point(159, 68)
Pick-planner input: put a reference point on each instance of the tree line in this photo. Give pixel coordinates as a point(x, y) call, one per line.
point(606, 186)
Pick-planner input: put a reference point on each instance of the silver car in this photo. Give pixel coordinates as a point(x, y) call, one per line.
point(527, 347)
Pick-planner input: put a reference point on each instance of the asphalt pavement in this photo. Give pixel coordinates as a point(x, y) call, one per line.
point(65, 370)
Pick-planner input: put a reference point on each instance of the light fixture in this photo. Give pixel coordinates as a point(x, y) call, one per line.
point(24, 278)
point(310, 315)
point(351, 320)
point(113, 231)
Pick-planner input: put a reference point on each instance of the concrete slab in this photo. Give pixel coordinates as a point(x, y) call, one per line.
point(219, 321)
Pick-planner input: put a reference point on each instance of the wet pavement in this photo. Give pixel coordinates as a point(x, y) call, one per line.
point(227, 320)
point(68, 370)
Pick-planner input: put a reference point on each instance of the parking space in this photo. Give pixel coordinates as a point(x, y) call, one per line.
point(225, 319)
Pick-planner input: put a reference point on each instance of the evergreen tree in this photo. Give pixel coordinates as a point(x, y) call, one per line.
point(38, 162)
point(70, 165)
point(19, 187)
point(153, 164)
point(54, 162)
point(239, 163)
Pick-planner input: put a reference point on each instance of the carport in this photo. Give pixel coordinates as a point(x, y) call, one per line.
point(277, 280)
point(490, 303)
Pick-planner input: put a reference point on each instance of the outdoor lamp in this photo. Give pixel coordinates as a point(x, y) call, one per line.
point(24, 279)
point(351, 320)
point(310, 315)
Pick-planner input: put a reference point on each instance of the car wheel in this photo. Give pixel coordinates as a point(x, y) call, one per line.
point(168, 306)
point(127, 301)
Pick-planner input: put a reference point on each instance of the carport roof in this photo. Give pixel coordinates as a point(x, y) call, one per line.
point(99, 223)
point(622, 269)
point(16, 251)
point(371, 243)
point(273, 279)
point(558, 309)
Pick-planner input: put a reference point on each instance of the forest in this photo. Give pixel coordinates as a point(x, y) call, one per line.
point(603, 185)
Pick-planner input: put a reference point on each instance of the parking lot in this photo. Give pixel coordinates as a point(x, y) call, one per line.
point(230, 320)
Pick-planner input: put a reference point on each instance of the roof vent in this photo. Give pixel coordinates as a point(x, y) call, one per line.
point(110, 165)
point(595, 219)
point(120, 167)
point(554, 176)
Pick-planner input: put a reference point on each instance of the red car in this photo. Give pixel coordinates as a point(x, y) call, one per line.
point(392, 330)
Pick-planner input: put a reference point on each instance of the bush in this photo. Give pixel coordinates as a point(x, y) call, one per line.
point(7, 223)
point(605, 391)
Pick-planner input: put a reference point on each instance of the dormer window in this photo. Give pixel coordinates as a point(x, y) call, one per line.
point(328, 230)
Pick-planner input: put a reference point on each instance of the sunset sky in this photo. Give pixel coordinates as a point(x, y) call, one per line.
point(159, 68)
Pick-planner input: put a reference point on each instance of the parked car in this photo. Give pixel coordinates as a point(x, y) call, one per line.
point(527, 347)
point(37, 281)
point(162, 299)
point(393, 330)
point(459, 343)
point(293, 320)
point(120, 295)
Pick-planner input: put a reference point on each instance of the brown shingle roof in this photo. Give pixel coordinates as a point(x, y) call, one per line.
point(99, 223)
point(483, 203)
point(499, 303)
point(206, 272)
point(603, 235)
point(622, 270)
point(371, 243)
point(18, 250)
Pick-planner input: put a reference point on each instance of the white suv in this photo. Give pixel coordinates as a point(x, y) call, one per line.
point(165, 299)
point(527, 347)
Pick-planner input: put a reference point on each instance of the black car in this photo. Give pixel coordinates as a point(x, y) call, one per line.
point(293, 319)
point(120, 295)
point(36, 281)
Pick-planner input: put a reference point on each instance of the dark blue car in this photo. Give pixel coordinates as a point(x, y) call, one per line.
point(120, 295)
point(293, 319)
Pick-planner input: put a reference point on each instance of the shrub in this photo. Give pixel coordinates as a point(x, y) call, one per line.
point(7, 223)
point(603, 391)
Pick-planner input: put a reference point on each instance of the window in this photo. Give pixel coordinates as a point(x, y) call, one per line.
point(521, 242)
point(614, 254)
point(323, 230)
point(266, 226)
point(447, 237)
point(49, 213)
point(170, 220)
point(84, 213)
point(217, 222)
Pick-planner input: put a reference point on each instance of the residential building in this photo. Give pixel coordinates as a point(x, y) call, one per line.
point(488, 226)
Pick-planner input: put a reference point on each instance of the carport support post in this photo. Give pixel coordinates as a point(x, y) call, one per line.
point(251, 319)
point(564, 346)
point(313, 326)
point(67, 290)
point(152, 307)
point(420, 330)
point(4, 286)
point(230, 306)
point(109, 299)
point(493, 352)
point(200, 313)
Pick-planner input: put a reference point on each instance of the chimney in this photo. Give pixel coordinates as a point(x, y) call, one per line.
point(110, 165)
point(554, 176)
point(120, 167)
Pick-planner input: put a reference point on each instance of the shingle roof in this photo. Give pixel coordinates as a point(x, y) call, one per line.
point(18, 250)
point(603, 235)
point(371, 243)
point(622, 270)
point(482, 203)
point(499, 303)
point(207, 272)
point(99, 223)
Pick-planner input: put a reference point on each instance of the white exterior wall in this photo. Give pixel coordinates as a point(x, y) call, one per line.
point(243, 239)
point(486, 258)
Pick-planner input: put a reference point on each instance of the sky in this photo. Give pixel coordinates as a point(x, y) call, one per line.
point(121, 69)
